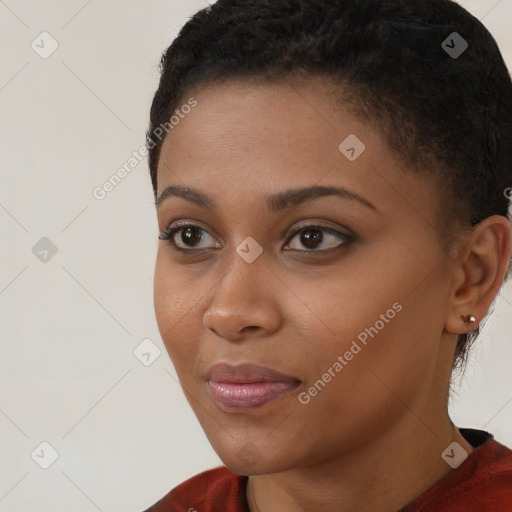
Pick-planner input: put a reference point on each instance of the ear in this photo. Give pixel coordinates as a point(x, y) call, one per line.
point(479, 273)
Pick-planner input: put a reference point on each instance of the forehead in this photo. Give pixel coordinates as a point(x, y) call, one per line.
point(245, 138)
point(264, 129)
point(240, 115)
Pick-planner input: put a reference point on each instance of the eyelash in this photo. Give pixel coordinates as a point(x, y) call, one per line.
point(346, 239)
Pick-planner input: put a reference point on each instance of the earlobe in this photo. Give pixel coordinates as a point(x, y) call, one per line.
point(469, 319)
point(479, 273)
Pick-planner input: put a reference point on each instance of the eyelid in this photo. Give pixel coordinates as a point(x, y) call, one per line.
point(319, 224)
point(186, 224)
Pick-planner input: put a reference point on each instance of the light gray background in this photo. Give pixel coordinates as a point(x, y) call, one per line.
point(123, 431)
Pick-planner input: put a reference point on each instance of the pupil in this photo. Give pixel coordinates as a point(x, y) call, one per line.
point(310, 240)
point(188, 235)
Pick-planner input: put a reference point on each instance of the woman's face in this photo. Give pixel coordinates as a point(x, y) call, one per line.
point(356, 315)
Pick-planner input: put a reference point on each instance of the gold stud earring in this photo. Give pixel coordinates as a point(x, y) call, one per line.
point(469, 319)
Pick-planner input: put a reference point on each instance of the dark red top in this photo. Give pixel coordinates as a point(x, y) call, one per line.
point(482, 483)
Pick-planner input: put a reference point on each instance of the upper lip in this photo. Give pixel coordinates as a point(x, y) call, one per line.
point(246, 373)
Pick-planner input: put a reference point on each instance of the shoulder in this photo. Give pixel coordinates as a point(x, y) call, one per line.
point(209, 491)
point(483, 483)
point(494, 471)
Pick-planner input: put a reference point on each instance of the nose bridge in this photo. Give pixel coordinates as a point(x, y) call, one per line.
point(241, 298)
point(243, 272)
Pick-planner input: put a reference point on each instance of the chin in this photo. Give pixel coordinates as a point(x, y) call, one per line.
point(246, 458)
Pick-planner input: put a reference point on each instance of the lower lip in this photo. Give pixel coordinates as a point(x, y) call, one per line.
point(244, 397)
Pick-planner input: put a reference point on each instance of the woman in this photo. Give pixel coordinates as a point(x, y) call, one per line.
point(332, 186)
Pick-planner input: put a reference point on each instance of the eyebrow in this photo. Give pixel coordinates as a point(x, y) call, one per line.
point(275, 203)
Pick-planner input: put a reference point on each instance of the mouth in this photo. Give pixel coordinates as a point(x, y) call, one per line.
point(247, 387)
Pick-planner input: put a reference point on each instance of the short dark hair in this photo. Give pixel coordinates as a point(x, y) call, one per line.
point(447, 114)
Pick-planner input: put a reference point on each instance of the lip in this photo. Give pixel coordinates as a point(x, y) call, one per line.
point(247, 386)
point(246, 373)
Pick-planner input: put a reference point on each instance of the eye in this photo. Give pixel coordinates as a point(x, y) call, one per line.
point(313, 237)
point(190, 238)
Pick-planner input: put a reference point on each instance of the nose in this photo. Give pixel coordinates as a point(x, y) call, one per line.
point(245, 302)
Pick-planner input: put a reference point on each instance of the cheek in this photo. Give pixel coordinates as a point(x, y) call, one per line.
point(388, 355)
point(161, 296)
point(385, 322)
point(367, 378)
point(345, 306)
point(175, 309)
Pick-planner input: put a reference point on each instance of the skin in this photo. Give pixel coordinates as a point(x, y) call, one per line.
point(372, 438)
